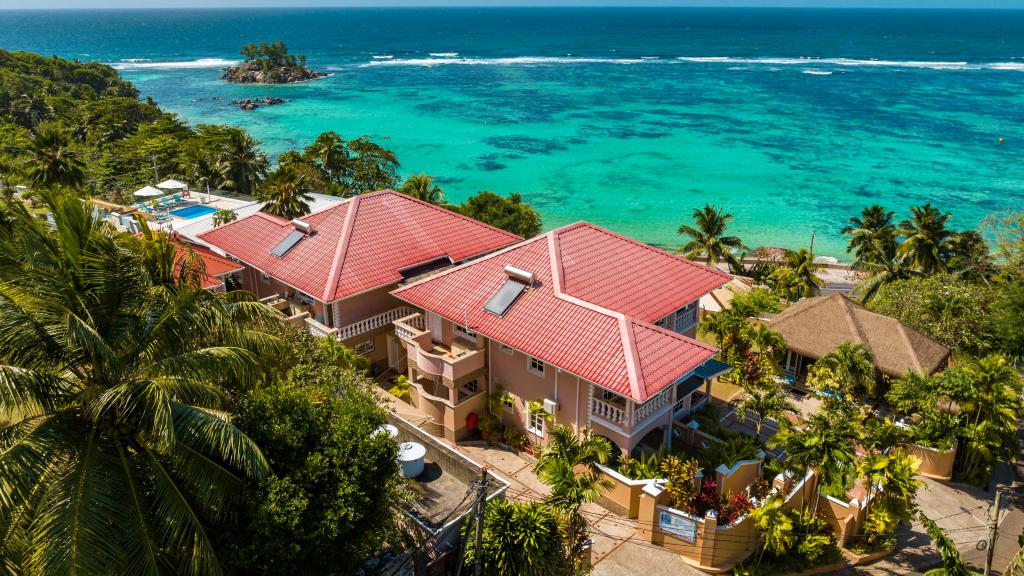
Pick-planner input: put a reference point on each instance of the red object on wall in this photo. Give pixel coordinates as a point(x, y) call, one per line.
point(471, 420)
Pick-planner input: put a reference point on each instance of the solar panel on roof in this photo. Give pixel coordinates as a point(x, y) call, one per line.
point(504, 297)
point(288, 243)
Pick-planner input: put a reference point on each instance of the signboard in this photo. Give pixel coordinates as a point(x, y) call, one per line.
point(678, 526)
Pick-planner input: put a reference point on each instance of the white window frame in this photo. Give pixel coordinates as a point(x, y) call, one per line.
point(364, 348)
point(535, 423)
point(535, 370)
point(506, 349)
point(465, 333)
point(508, 402)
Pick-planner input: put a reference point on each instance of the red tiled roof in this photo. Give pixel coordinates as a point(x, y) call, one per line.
point(215, 265)
point(357, 245)
point(556, 320)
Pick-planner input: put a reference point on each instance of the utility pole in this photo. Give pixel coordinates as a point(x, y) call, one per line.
point(481, 506)
point(811, 249)
point(993, 530)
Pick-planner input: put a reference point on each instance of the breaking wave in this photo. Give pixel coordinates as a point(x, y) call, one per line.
point(134, 63)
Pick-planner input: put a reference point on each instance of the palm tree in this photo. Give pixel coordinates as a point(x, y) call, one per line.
point(286, 193)
point(707, 238)
point(422, 187)
point(52, 161)
point(568, 463)
point(969, 256)
point(776, 526)
point(882, 264)
point(853, 365)
point(952, 563)
point(873, 221)
point(113, 452)
point(241, 165)
point(989, 407)
point(825, 444)
point(224, 216)
point(926, 238)
point(765, 402)
point(806, 270)
point(204, 171)
point(519, 538)
point(331, 154)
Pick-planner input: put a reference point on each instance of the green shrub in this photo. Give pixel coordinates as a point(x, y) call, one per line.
point(514, 438)
point(401, 388)
point(728, 452)
point(645, 467)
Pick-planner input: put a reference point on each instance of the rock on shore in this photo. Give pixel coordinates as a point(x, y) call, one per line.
point(254, 73)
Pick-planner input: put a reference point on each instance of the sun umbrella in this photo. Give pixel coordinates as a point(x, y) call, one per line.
point(149, 191)
point(172, 185)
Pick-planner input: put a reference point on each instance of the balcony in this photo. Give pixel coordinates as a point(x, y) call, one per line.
point(359, 328)
point(625, 413)
point(687, 319)
point(450, 363)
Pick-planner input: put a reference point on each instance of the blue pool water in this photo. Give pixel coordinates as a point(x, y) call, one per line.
point(193, 212)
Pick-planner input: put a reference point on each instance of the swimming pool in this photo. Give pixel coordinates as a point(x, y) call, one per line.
point(193, 212)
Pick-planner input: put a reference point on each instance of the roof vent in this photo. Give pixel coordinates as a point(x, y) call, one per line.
point(516, 273)
point(302, 226)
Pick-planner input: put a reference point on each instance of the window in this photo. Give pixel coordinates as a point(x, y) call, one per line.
point(506, 349)
point(464, 332)
point(472, 387)
point(535, 366)
point(609, 395)
point(508, 401)
point(364, 348)
point(535, 423)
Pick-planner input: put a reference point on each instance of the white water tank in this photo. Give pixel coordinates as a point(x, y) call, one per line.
point(410, 458)
point(389, 429)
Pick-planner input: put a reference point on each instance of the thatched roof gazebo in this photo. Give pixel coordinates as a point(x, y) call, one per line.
point(816, 326)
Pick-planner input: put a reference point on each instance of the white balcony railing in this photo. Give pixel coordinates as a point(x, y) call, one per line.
point(372, 323)
point(652, 406)
point(411, 326)
point(607, 411)
point(687, 318)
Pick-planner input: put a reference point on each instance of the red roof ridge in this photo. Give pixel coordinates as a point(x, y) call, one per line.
point(331, 288)
point(453, 269)
point(442, 209)
point(645, 246)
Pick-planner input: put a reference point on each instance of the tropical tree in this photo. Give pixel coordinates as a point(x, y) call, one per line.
point(765, 402)
point(681, 488)
point(853, 365)
point(873, 223)
point(371, 167)
point(519, 538)
point(224, 216)
point(113, 450)
point(52, 162)
point(990, 405)
point(881, 264)
point(707, 236)
point(891, 483)
point(510, 214)
point(286, 193)
point(925, 238)
point(969, 257)
point(331, 155)
point(826, 443)
point(801, 263)
point(775, 526)
point(568, 463)
point(202, 168)
point(241, 164)
point(422, 187)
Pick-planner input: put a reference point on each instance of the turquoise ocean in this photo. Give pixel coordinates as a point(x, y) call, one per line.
point(792, 120)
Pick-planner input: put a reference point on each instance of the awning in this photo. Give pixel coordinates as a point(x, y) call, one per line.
point(149, 191)
point(172, 185)
point(712, 368)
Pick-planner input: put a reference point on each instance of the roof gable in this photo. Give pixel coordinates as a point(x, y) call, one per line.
point(357, 245)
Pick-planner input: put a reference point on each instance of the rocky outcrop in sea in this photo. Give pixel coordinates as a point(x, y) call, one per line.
point(255, 73)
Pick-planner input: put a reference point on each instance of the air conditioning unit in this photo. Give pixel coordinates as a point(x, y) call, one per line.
point(550, 406)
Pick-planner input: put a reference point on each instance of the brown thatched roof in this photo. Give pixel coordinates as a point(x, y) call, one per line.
point(816, 326)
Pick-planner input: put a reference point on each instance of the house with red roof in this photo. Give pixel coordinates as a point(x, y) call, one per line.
point(578, 326)
point(216, 267)
point(332, 271)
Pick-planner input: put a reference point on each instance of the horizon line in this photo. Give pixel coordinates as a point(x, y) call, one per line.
point(508, 7)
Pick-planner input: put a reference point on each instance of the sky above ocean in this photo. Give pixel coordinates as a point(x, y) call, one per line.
point(791, 120)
